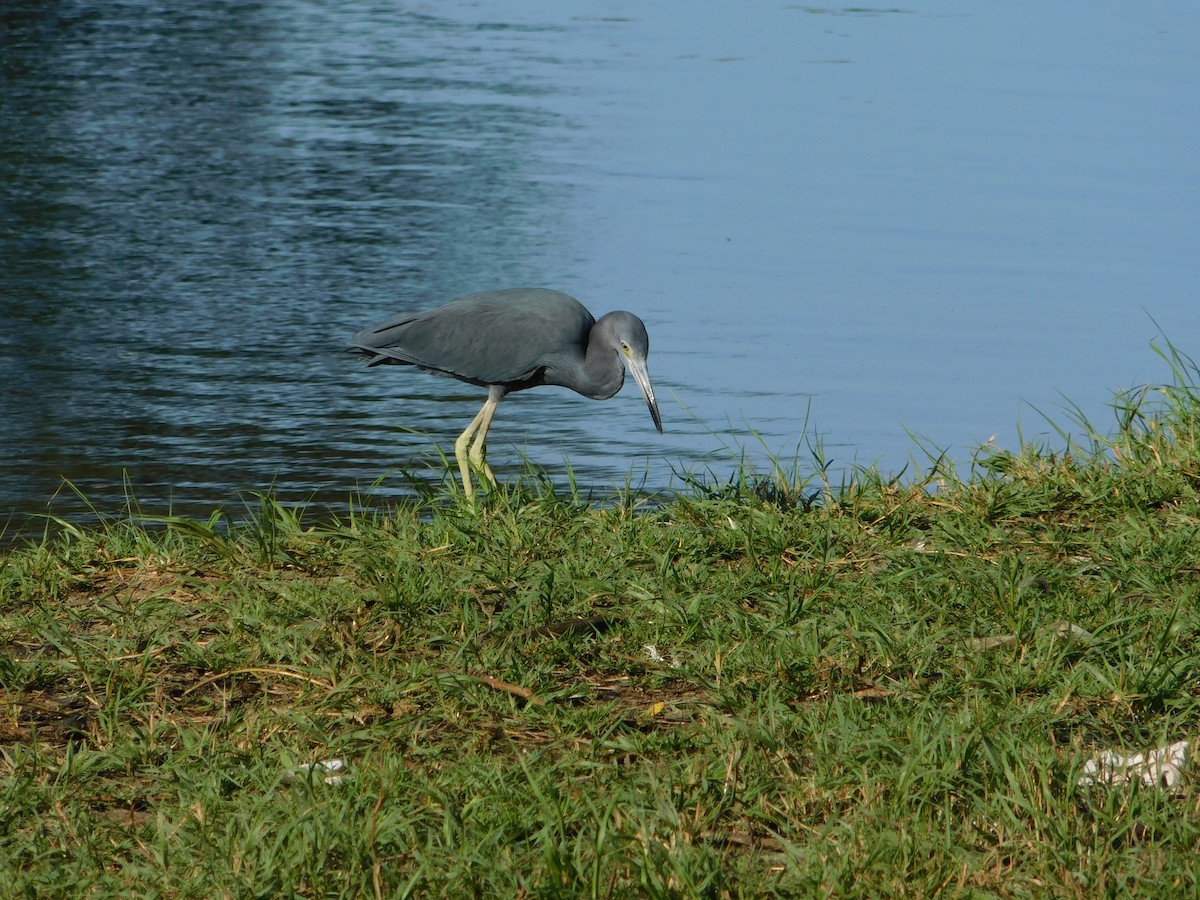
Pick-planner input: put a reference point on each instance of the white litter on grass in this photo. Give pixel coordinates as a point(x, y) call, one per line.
point(1065, 631)
point(1162, 767)
point(330, 771)
point(652, 654)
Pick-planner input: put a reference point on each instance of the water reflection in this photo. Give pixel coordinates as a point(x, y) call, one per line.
point(835, 222)
point(202, 203)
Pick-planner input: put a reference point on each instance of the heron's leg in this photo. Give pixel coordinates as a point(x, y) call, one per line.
point(472, 454)
point(478, 454)
point(461, 446)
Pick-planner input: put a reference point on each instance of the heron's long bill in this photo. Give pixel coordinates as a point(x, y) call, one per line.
point(637, 368)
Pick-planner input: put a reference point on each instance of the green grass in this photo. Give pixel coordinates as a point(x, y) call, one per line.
point(818, 720)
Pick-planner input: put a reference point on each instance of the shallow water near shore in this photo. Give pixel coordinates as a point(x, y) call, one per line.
point(845, 226)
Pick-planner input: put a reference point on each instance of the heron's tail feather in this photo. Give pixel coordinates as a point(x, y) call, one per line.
point(377, 356)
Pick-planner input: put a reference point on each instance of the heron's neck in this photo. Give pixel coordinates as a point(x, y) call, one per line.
point(603, 371)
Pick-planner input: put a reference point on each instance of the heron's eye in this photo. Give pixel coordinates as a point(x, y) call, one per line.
point(625, 348)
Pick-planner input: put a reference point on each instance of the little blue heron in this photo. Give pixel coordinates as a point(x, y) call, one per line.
point(512, 340)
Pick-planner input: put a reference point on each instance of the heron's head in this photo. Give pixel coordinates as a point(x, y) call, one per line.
point(633, 346)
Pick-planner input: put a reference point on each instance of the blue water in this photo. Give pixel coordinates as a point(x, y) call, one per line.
point(843, 227)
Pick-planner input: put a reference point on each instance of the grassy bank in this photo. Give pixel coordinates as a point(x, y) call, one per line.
point(870, 691)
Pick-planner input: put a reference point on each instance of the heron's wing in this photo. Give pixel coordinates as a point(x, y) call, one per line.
point(499, 337)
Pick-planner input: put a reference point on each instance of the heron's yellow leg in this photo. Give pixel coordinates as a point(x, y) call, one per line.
point(473, 453)
point(478, 454)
